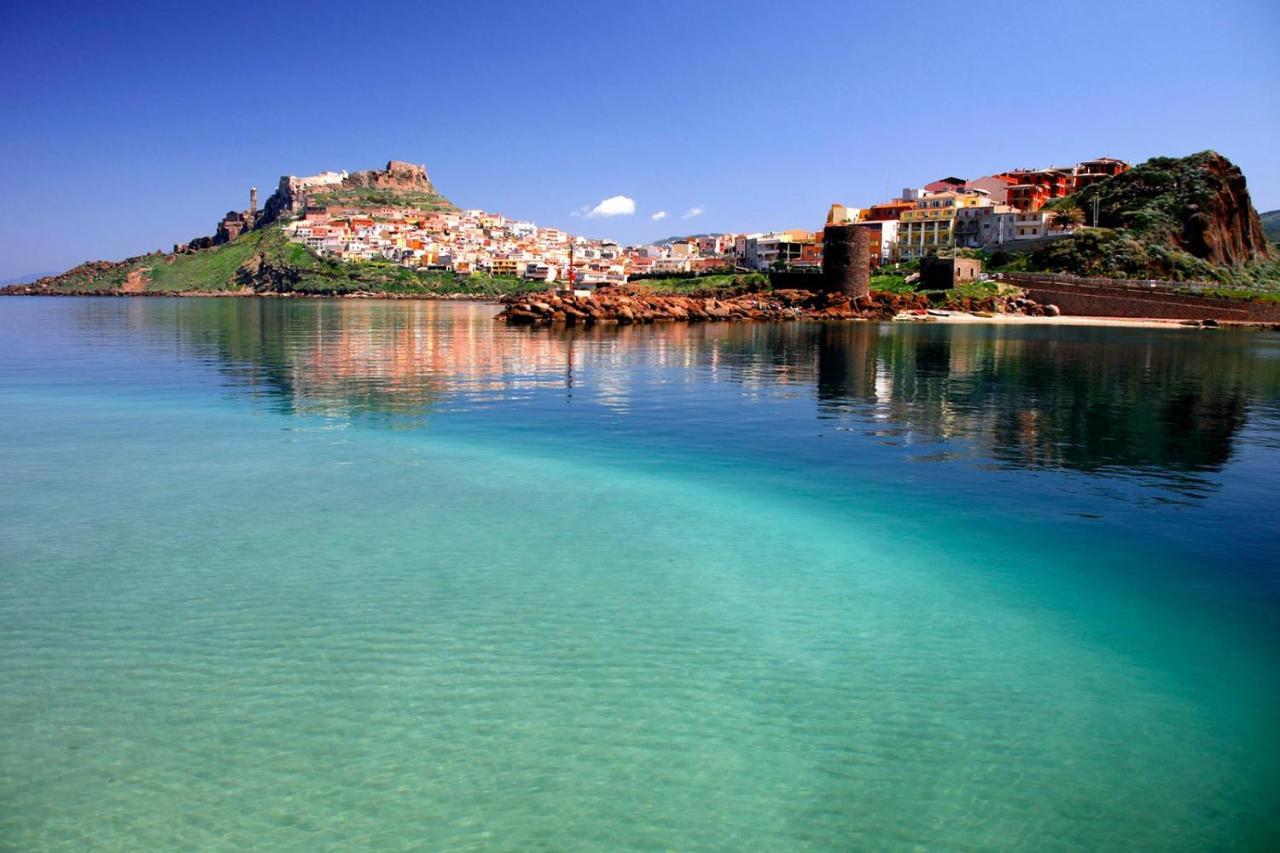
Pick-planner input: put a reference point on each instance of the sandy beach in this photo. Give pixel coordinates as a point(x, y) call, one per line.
point(964, 318)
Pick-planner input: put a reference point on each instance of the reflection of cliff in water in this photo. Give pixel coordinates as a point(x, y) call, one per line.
point(1140, 399)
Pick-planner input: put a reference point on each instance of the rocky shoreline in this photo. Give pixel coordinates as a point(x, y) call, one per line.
point(607, 308)
point(618, 306)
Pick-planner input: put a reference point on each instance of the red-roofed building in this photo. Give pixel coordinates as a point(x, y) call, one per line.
point(945, 185)
point(995, 186)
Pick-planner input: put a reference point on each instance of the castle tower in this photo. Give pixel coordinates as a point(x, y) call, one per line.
point(253, 203)
point(846, 267)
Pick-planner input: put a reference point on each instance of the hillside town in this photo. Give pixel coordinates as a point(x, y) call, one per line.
point(1006, 210)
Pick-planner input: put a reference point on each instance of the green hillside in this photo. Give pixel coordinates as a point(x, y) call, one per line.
point(263, 261)
point(362, 198)
point(1186, 218)
point(209, 269)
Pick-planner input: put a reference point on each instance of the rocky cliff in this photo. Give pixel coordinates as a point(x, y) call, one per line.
point(1170, 217)
point(1198, 204)
point(400, 183)
point(398, 175)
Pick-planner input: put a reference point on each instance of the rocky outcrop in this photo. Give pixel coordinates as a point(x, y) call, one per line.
point(1224, 228)
point(624, 307)
point(262, 274)
point(229, 228)
point(293, 193)
point(288, 198)
point(1199, 205)
point(398, 175)
point(90, 277)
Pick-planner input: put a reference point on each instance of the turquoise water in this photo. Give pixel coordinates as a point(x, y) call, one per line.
point(330, 575)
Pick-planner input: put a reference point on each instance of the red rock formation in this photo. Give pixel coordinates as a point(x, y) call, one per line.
point(1227, 229)
point(1197, 204)
point(399, 175)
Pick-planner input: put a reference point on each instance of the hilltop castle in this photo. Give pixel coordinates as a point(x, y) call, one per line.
point(292, 193)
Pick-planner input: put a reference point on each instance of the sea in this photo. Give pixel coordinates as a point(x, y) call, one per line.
point(372, 574)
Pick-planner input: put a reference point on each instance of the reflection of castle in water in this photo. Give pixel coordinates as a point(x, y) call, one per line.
point(1142, 399)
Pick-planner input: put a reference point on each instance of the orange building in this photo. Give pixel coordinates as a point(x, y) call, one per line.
point(1091, 171)
point(1034, 187)
point(887, 211)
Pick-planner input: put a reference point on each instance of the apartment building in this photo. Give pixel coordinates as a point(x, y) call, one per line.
point(930, 226)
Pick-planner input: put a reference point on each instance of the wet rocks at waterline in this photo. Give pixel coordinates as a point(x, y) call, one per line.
point(617, 306)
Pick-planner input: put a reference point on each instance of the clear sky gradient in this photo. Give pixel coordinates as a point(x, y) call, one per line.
point(129, 127)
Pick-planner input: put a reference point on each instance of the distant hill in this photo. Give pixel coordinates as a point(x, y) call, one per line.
point(1179, 218)
point(1271, 225)
point(25, 279)
point(673, 238)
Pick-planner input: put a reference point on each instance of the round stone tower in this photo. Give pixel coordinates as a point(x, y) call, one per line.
point(846, 262)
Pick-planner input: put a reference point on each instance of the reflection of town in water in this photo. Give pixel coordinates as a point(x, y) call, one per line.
point(1085, 399)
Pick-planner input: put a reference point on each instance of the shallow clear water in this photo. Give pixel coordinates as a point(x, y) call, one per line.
point(320, 575)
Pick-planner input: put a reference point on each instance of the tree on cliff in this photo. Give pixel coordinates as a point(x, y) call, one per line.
point(1067, 217)
point(1170, 217)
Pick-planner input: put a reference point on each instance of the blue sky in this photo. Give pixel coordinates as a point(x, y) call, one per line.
point(128, 127)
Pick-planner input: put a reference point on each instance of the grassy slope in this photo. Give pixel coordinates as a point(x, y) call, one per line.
point(210, 269)
point(81, 280)
point(214, 270)
point(1143, 210)
point(367, 197)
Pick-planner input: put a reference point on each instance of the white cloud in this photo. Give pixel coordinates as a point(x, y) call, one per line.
point(661, 214)
point(692, 212)
point(618, 205)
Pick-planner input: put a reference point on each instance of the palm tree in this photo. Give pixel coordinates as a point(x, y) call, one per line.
point(1067, 218)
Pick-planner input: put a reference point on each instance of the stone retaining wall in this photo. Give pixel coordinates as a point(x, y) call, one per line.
point(1092, 300)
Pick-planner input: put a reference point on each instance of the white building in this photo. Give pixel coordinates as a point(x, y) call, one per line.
point(671, 265)
point(537, 271)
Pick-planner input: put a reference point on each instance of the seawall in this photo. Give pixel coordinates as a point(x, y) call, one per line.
point(1086, 298)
